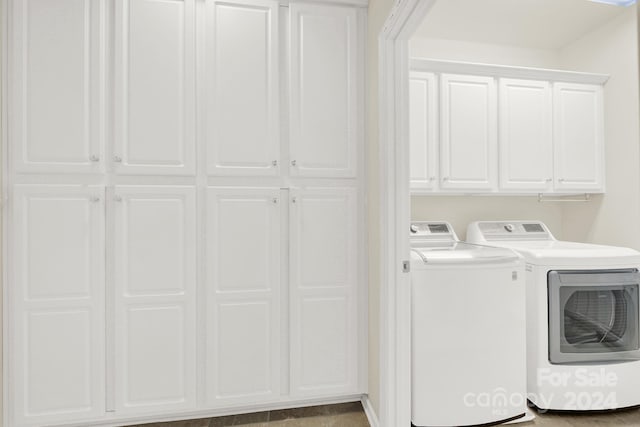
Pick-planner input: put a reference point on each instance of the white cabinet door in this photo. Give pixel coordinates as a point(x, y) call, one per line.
point(468, 127)
point(155, 309)
point(244, 290)
point(423, 131)
point(56, 85)
point(323, 299)
point(154, 87)
point(56, 310)
point(242, 90)
point(578, 137)
point(526, 149)
point(324, 73)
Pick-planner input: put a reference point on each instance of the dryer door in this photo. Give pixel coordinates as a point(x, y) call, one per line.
point(593, 316)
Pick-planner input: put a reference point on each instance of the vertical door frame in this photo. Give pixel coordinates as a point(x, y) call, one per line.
point(4, 197)
point(393, 163)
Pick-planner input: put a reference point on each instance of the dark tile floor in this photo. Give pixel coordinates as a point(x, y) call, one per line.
point(341, 415)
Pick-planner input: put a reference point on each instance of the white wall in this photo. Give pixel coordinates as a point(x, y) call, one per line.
point(615, 217)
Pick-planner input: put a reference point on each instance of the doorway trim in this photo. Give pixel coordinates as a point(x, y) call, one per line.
point(393, 164)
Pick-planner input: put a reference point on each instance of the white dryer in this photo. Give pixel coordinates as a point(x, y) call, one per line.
point(467, 331)
point(583, 348)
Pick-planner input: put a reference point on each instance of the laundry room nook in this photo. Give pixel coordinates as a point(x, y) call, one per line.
point(523, 125)
point(575, 43)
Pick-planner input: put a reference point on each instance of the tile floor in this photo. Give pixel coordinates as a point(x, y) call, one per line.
point(341, 415)
point(352, 415)
point(622, 418)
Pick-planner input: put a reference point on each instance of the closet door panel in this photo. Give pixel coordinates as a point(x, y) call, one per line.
point(56, 78)
point(244, 319)
point(155, 87)
point(56, 275)
point(242, 87)
point(324, 78)
point(155, 300)
point(323, 270)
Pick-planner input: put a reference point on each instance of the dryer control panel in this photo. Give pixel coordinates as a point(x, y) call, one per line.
point(488, 231)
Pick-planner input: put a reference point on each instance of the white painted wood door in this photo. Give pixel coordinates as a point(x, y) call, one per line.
point(56, 74)
point(241, 80)
point(154, 87)
point(155, 298)
point(324, 73)
point(323, 301)
point(525, 138)
point(244, 244)
point(423, 131)
point(468, 131)
point(56, 274)
point(578, 136)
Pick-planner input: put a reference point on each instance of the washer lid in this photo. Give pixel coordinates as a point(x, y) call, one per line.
point(571, 253)
point(462, 253)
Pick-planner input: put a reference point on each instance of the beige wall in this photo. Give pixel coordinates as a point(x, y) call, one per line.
point(461, 210)
point(455, 50)
point(378, 12)
point(613, 218)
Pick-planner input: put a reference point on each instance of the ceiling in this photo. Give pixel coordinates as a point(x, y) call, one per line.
point(538, 24)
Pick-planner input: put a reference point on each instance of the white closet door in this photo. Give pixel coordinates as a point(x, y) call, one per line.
point(468, 126)
point(56, 307)
point(243, 281)
point(578, 137)
point(155, 309)
point(56, 85)
point(324, 76)
point(323, 270)
point(526, 147)
point(154, 87)
point(423, 131)
point(242, 90)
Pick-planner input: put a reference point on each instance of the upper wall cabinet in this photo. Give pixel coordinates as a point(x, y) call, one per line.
point(468, 132)
point(56, 91)
point(579, 136)
point(423, 130)
point(154, 87)
point(526, 159)
point(242, 87)
point(493, 129)
point(324, 73)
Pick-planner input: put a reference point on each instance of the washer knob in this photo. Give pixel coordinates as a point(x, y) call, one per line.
point(413, 228)
point(509, 228)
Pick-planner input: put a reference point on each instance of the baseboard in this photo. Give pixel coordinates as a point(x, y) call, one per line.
point(369, 411)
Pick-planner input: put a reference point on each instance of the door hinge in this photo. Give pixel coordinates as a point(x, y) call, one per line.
point(406, 267)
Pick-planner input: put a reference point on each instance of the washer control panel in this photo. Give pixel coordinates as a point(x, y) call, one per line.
point(507, 230)
point(432, 231)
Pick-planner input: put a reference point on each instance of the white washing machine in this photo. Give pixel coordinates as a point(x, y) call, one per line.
point(582, 317)
point(467, 331)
